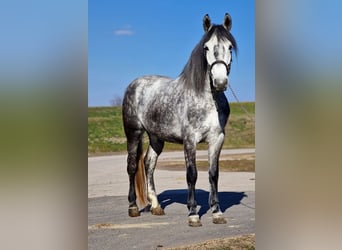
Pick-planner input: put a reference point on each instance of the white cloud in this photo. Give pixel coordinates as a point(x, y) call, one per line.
point(126, 31)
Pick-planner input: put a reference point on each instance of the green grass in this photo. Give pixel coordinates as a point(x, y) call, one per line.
point(106, 134)
point(105, 130)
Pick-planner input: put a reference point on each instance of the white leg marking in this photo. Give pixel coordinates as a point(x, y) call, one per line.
point(151, 192)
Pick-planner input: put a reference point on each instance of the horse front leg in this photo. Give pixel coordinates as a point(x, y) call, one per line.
point(191, 178)
point(214, 154)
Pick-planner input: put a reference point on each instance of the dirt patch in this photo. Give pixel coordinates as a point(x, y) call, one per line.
point(231, 163)
point(232, 243)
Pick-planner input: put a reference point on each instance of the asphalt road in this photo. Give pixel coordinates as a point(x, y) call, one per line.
point(110, 227)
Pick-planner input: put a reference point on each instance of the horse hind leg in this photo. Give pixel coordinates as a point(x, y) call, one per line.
point(134, 148)
point(154, 150)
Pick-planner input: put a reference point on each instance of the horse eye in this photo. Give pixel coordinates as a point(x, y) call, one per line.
point(230, 47)
point(205, 48)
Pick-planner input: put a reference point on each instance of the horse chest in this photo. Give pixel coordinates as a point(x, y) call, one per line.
point(205, 126)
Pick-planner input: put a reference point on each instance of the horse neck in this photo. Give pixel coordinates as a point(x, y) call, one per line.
point(193, 97)
point(204, 90)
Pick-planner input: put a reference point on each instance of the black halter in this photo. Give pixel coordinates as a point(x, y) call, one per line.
point(211, 67)
point(222, 62)
point(213, 91)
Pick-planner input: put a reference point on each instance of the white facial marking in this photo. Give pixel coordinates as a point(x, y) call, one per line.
point(218, 51)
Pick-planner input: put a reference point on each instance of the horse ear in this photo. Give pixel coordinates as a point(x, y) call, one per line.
point(227, 22)
point(206, 23)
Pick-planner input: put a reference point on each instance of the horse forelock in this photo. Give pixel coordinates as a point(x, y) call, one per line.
point(195, 72)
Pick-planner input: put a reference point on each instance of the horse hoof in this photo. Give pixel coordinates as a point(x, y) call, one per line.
point(157, 211)
point(219, 219)
point(133, 211)
point(194, 221)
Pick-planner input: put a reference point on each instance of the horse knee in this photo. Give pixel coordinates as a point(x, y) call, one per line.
point(213, 174)
point(191, 175)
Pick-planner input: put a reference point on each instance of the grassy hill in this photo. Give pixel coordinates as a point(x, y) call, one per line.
point(106, 134)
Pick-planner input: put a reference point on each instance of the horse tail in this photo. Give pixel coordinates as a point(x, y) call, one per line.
point(140, 178)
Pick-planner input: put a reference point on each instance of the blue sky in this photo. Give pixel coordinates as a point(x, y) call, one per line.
point(128, 39)
point(36, 34)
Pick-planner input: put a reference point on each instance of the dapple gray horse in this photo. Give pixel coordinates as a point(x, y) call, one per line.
point(187, 110)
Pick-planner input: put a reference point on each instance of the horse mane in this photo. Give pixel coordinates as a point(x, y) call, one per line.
point(195, 71)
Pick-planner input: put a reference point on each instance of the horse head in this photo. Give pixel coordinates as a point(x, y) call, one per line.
point(218, 51)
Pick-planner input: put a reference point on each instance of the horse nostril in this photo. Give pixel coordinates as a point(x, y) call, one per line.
point(221, 83)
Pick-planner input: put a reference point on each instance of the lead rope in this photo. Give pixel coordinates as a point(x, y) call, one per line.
point(237, 100)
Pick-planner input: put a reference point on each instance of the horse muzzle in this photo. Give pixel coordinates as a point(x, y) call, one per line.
point(220, 84)
point(219, 72)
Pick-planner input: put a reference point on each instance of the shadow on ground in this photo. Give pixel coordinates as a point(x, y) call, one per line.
point(227, 199)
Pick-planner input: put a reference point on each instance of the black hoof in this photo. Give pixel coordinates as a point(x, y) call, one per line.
point(133, 211)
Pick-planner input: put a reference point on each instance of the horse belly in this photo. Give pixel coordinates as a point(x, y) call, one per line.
point(161, 118)
point(165, 126)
